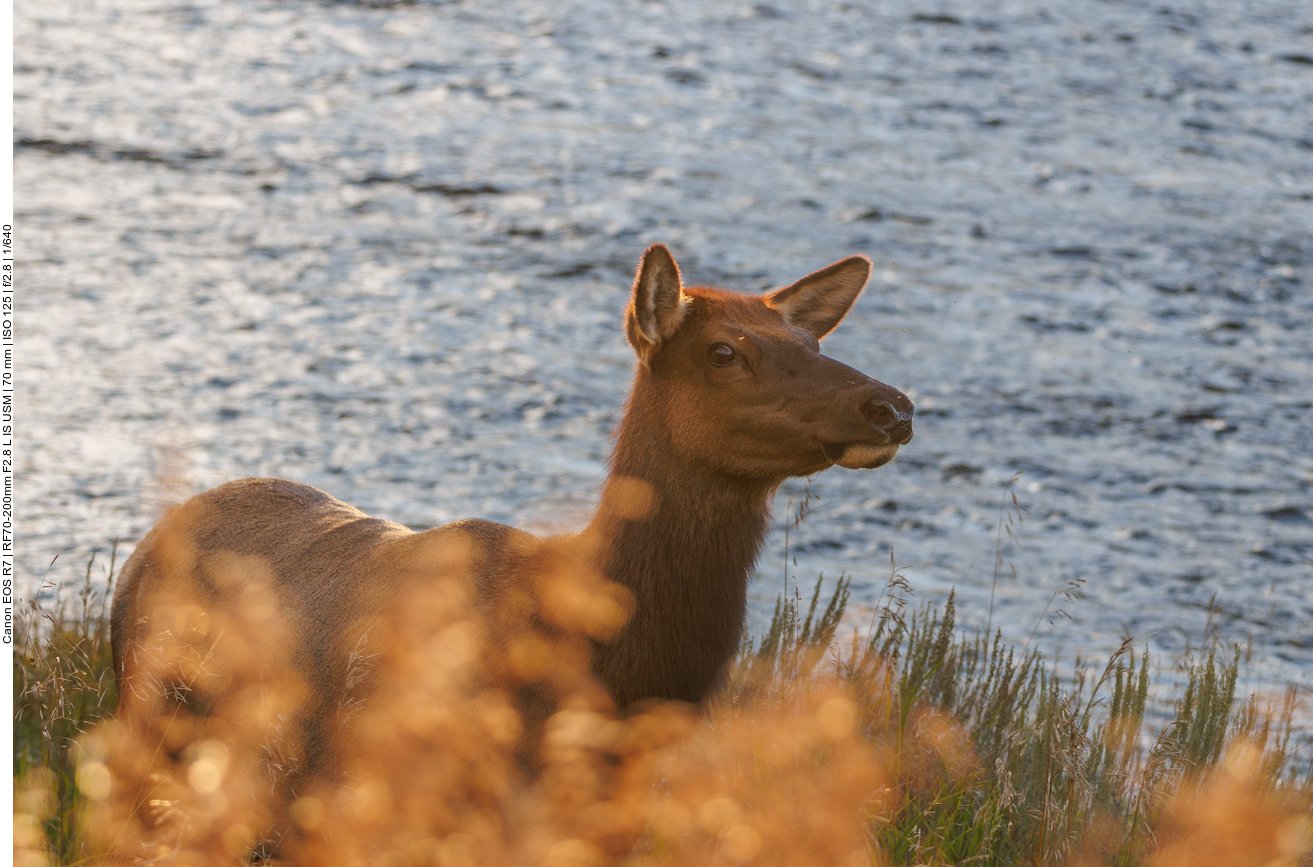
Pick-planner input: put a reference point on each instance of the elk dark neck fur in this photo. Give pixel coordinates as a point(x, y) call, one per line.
point(686, 563)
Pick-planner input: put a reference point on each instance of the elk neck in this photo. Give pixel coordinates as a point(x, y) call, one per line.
point(686, 562)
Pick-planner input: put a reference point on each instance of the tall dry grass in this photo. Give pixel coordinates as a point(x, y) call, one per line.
point(63, 687)
point(908, 742)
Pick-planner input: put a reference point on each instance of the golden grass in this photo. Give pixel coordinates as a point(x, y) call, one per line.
point(909, 745)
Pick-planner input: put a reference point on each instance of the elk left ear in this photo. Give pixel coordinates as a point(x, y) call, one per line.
point(657, 306)
point(818, 302)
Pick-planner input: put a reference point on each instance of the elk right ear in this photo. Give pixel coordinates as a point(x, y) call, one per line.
point(817, 302)
point(657, 306)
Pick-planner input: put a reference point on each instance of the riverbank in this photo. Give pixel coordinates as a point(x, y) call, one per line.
point(969, 747)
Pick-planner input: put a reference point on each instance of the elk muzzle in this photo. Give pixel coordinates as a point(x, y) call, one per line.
point(888, 415)
point(895, 423)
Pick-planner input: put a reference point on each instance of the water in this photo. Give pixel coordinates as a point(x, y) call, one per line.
point(385, 251)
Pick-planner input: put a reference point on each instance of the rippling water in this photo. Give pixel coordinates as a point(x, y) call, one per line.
point(385, 251)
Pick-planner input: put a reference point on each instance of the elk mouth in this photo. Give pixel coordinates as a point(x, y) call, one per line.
point(860, 456)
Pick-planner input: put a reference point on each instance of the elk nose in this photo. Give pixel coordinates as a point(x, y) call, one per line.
point(896, 421)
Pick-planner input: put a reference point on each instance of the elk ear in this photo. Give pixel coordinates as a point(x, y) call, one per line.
point(817, 302)
point(657, 307)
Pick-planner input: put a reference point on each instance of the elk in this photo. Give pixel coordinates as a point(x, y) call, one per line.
point(730, 397)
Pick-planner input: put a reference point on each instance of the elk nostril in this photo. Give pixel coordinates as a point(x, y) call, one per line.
point(880, 415)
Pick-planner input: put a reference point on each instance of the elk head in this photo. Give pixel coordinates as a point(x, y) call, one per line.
point(737, 383)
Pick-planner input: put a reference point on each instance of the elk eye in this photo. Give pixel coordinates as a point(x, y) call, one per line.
point(721, 354)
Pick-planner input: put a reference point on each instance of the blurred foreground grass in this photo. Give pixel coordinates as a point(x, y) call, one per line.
point(933, 746)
